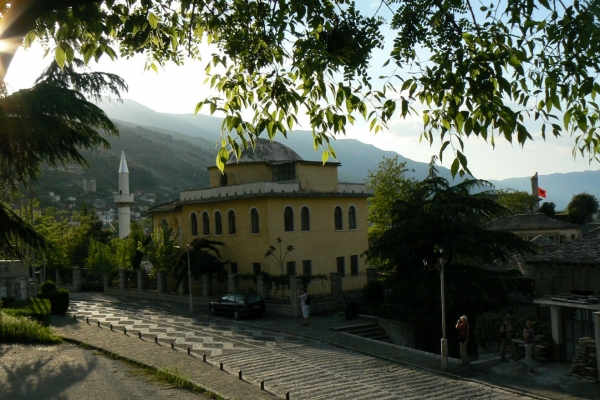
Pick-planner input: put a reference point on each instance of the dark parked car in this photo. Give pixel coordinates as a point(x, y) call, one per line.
point(238, 305)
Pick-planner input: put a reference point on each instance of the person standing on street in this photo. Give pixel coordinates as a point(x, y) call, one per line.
point(463, 329)
point(506, 338)
point(305, 301)
point(529, 336)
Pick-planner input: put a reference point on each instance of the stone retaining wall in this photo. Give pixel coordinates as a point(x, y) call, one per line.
point(416, 334)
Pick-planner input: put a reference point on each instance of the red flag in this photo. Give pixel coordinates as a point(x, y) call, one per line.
point(541, 192)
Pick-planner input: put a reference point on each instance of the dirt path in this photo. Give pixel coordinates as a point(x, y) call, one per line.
point(68, 372)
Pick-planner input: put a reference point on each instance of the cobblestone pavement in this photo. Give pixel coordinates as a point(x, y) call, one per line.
point(305, 368)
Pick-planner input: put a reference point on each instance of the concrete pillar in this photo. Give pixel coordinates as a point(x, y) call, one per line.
point(161, 281)
point(597, 338)
point(295, 287)
point(57, 278)
point(558, 339)
point(122, 279)
point(206, 284)
point(233, 283)
point(371, 275)
point(180, 289)
point(141, 278)
point(105, 281)
point(76, 279)
point(335, 280)
point(261, 287)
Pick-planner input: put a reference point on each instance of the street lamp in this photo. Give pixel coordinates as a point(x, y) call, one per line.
point(444, 339)
point(190, 278)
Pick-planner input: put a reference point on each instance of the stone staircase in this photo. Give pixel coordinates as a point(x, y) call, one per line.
point(369, 330)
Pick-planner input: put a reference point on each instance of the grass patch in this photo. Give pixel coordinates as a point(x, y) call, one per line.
point(170, 376)
point(21, 329)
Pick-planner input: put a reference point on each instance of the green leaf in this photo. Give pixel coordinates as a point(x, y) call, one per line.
point(462, 159)
point(325, 156)
point(153, 20)
point(222, 157)
point(454, 167)
point(60, 56)
point(29, 39)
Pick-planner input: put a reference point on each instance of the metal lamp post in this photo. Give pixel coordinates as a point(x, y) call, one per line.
point(444, 339)
point(190, 278)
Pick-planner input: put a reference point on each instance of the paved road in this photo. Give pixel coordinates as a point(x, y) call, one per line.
point(308, 369)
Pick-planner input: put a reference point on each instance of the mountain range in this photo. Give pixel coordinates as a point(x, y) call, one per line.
point(170, 152)
point(357, 158)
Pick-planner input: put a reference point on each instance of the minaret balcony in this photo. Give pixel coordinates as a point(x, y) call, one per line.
point(123, 199)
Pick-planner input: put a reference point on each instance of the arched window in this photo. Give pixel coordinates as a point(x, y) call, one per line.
point(224, 179)
point(352, 217)
point(231, 221)
point(305, 219)
point(288, 219)
point(194, 224)
point(205, 224)
point(254, 220)
point(218, 223)
point(337, 215)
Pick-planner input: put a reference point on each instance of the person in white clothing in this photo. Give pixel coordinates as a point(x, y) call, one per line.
point(305, 306)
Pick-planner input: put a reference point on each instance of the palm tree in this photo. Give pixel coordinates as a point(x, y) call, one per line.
point(205, 258)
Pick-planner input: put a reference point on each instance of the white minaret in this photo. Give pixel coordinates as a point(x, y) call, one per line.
point(124, 199)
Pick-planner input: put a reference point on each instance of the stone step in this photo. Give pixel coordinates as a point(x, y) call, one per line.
point(350, 329)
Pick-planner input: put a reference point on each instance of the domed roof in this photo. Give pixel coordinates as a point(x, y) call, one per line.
point(266, 151)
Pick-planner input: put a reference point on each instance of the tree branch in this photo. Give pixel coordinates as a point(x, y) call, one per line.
point(21, 18)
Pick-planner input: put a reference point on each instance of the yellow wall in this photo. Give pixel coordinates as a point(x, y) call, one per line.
point(322, 244)
point(317, 177)
point(312, 177)
point(241, 173)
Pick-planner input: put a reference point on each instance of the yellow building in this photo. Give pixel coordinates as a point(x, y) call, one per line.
point(272, 193)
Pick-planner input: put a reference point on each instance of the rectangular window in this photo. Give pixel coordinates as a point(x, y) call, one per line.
point(256, 268)
point(563, 238)
point(341, 267)
point(284, 172)
point(572, 237)
point(234, 268)
point(307, 267)
point(551, 237)
point(290, 267)
point(353, 265)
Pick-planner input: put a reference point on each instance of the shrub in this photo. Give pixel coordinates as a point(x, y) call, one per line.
point(373, 292)
point(7, 301)
point(48, 287)
point(59, 298)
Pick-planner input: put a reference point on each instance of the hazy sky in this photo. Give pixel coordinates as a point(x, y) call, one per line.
point(177, 90)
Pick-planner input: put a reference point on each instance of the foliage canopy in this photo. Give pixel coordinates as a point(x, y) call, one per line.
point(517, 201)
point(582, 207)
point(49, 123)
point(503, 70)
point(437, 222)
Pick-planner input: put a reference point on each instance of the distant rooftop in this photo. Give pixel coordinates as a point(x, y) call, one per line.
point(536, 221)
point(583, 250)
